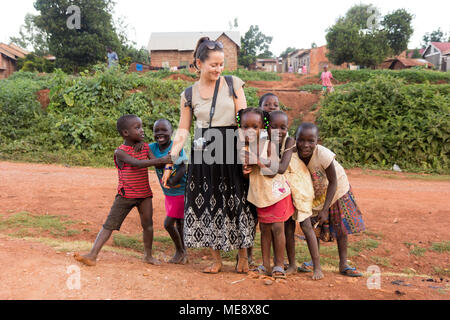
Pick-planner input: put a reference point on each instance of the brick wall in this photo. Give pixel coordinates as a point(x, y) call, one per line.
point(318, 60)
point(177, 58)
point(7, 67)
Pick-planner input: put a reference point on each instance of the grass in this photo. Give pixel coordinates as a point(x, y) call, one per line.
point(30, 225)
point(442, 272)
point(311, 87)
point(382, 261)
point(418, 251)
point(441, 247)
point(365, 244)
point(377, 236)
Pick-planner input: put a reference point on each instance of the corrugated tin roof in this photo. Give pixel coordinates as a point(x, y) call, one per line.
point(15, 50)
point(442, 46)
point(7, 53)
point(186, 41)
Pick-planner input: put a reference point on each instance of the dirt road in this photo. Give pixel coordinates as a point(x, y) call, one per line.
point(400, 210)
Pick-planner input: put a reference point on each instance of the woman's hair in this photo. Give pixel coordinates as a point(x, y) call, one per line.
point(264, 96)
point(202, 51)
point(265, 117)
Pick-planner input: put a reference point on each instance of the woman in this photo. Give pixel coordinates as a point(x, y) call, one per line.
point(217, 214)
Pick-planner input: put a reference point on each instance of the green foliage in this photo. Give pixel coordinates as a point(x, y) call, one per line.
point(254, 44)
point(79, 125)
point(441, 247)
point(33, 63)
point(383, 122)
point(351, 39)
point(77, 48)
point(247, 75)
point(399, 29)
point(409, 75)
point(311, 87)
point(435, 36)
point(31, 36)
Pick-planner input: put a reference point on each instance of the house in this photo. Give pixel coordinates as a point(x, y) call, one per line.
point(267, 65)
point(437, 53)
point(8, 59)
point(314, 59)
point(398, 63)
point(174, 49)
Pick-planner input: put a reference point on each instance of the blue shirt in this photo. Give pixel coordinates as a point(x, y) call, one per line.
point(181, 186)
point(112, 59)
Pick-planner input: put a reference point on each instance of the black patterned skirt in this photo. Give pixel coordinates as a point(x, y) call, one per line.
point(216, 212)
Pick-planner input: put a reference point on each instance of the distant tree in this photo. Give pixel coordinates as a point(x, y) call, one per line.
point(77, 48)
point(359, 38)
point(31, 37)
point(233, 24)
point(435, 36)
point(313, 45)
point(288, 50)
point(254, 44)
point(416, 54)
point(399, 29)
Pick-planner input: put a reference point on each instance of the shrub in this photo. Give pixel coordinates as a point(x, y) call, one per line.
point(247, 75)
point(383, 122)
point(409, 75)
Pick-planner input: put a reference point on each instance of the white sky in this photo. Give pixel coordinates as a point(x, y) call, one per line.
point(294, 23)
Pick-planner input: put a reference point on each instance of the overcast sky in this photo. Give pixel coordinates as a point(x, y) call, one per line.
point(295, 23)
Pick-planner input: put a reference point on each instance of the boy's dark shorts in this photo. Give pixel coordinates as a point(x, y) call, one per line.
point(119, 211)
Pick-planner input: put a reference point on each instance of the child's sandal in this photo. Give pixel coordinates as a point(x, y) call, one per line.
point(278, 273)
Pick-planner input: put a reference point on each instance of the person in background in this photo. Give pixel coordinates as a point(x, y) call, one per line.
point(113, 59)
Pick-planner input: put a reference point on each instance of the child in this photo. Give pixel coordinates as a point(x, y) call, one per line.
point(334, 200)
point(174, 196)
point(302, 191)
point(268, 190)
point(133, 189)
point(325, 78)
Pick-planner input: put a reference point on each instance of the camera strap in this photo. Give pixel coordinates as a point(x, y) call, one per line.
point(213, 104)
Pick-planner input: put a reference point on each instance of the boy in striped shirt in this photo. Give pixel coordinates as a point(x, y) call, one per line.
point(133, 189)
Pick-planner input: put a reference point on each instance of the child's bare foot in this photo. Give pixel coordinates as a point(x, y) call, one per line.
point(291, 269)
point(317, 275)
point(87, 260)
point(216, 267)
point(178, 257)
point(151, 260)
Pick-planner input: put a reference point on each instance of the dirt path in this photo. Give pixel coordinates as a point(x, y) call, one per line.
point(298, 102)
point(396, 208)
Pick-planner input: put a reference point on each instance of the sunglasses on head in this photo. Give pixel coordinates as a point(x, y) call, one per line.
point(211, 45)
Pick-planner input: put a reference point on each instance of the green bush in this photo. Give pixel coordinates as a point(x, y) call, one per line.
point(383, 122)
point(79, 125)
point(409, 75)
point(247, 75)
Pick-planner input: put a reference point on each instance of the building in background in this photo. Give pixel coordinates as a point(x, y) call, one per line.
point(176, 49)
point(437, 53)
point(267, 65)
point(398, 63)
point(8, 59)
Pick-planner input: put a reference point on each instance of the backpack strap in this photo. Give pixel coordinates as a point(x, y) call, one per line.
point(229, 80)
point(188, 97)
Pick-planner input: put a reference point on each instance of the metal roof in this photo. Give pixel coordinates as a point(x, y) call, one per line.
point(186, 41)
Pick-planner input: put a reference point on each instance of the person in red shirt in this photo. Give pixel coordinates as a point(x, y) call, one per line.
point(133, 189)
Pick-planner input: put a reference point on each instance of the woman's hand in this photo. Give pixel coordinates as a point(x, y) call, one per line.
point(246, 169)
point(323, 216)
point(167, 174)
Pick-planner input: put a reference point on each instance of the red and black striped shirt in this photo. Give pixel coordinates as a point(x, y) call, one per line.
point(133, 181)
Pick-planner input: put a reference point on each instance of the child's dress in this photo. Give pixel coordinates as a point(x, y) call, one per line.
point(302, 191)
point(271, 196)
point(345, 216)
point(174, 197)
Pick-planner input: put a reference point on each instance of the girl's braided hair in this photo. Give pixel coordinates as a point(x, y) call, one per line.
point(265, 117)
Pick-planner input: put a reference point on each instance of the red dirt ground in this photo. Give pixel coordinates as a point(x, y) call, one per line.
point(298, 102)
point(400, 208)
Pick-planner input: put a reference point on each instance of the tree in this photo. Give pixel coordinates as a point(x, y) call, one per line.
point(31, 37)
point(435, 36)
point(254, 44)
point(77, 48)
point(357, 37)
point(288, 50)
point(313, 45)
point(399, 29)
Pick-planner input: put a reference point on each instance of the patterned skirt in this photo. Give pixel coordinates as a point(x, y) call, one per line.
point(217, 214)
point(345, 216)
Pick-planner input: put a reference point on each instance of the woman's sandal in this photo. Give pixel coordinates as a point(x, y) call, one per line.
point(306, 267)
point(350, 272)
point(262, 270)
point(278, 273)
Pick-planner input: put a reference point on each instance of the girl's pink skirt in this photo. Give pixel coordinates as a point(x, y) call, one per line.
point(175, 206)
point(278, 212)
